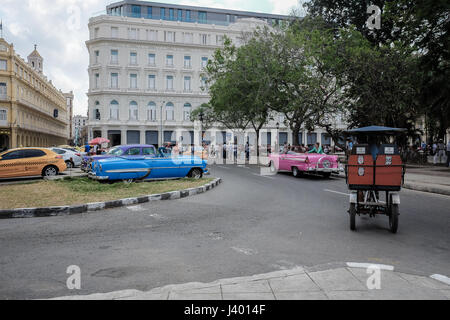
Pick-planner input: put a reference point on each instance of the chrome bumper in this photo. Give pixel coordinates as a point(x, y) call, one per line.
point(326, 170)
point(93, 176)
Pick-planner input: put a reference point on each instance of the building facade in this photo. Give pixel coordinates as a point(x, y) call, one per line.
point(33, 113)
point(69, 103)
point(146, 70)
point(79, 124)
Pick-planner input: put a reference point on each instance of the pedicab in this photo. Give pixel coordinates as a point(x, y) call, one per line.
point(375, 174)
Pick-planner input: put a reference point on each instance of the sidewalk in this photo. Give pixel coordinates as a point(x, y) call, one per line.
point(434, 179)
point(338, 283)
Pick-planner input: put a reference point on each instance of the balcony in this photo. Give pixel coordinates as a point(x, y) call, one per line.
point(4, 97)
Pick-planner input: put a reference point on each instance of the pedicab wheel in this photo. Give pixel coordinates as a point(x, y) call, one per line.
point(295, 172)
point(352, 213)
point(393, 218)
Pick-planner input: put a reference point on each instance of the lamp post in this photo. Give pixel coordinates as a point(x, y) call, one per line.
point(201, 128)
point(161, 126)
point(277, 146)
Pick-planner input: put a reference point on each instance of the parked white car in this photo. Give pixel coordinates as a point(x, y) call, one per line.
point(72, 159)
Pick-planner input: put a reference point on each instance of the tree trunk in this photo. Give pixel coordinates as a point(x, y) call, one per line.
point(295, 132)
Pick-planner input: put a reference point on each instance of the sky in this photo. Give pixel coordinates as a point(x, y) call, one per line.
point(59, 28)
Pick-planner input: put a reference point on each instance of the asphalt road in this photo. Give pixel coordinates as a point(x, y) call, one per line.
point(250, 224)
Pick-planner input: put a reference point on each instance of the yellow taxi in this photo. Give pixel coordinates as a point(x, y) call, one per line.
point(25, 162)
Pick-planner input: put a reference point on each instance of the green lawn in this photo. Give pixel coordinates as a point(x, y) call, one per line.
point(75, 191)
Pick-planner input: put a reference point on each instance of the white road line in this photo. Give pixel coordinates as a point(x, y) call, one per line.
point(136, 208)
point(441, 278)
point(223, 167)
point(332, 191)
point(259, 175)
point(368, 265)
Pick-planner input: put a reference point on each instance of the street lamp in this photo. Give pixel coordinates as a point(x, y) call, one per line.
point(278, 138)
point(161, 125)
point(201, 128)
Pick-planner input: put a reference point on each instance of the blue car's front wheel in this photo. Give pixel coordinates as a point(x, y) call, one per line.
point(195, 173)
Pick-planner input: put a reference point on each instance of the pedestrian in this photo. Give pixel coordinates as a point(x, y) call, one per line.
point(87, 148)
point(434, 148)
point(316, 149)
point(448, 153)
point(440, 151)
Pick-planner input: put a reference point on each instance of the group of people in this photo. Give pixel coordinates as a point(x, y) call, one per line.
point(93, 150)
point(317, 148)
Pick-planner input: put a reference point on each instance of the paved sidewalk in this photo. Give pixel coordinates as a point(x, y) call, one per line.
point(339, 283)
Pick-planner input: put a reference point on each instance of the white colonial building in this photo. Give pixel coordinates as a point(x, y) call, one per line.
point(146, 70)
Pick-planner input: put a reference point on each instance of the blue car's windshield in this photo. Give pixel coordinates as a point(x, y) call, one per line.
point(115, 152)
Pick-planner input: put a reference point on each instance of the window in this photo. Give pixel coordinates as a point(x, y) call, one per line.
point(136, 11)
point(187, 62)
point(219, 40)
point(59, 151)
point(114, 110)
point(202, 17)
point(169, 36)
point(188, 15)
point(171, 14)
point(133, 110)
point(169, 60)
point(114, 80)
point(151, 111)
point(163, 13)
point(133, 58)
point(204, 83)
point(204, 39)
point(33, 153)
point(3, 91)
point(133, 33)
point(187, 111)
point(152, 59)
point(97, 80)
point(3, 65)
point(133, 81)
point(152, 82)
point(148, 151)
point(204, 62)
point(114, 56)
point(187, 84)
point(153, 35)
point(169, 83)
point(133, 152)
point(149, 12)
point(180, 15)
point(96, 114)
point(18, 154)
point(116, 151)
point(3, 115)
point(96, 56)
point(114, 32)
point(170, 111)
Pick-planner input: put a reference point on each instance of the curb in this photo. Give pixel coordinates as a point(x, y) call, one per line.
point(89, 207)
point(425, 188)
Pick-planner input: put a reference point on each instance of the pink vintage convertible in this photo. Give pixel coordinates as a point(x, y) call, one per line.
point(299, 163)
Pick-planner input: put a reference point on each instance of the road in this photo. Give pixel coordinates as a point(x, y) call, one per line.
point(250, 224)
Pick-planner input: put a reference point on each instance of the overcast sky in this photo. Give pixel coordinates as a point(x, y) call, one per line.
point(59, 28)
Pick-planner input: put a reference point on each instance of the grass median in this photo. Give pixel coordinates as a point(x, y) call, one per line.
point(75, 191)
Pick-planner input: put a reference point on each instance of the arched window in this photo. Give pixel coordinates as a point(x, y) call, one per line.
point(170, 111)
point(151, 111)
point(114, 110)
point(133, 110)
point(187, 111)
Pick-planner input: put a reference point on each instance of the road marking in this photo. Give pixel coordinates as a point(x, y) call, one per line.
point(223, 167)
point(259, 175)
point(441, 278)
point(368, 265)
point(158, 216)
point(332, 191)
point(246, 251)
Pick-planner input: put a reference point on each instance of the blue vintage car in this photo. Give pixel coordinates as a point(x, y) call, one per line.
point(151, 167)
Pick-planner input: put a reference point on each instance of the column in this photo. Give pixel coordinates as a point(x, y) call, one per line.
point(123, 136)
point(142, 137)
